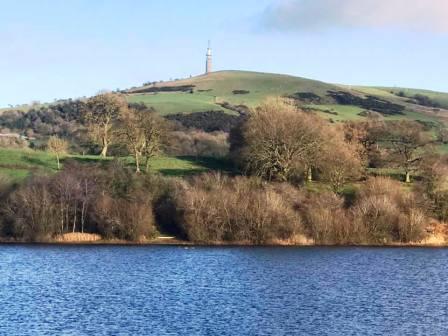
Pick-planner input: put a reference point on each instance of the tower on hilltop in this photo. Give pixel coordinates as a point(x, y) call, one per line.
point(208, 63)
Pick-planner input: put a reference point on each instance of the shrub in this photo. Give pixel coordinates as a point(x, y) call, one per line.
point(80, 199)
point(31, 214)
point(127, 219)
point(240, 92)
point(199, 143)
point(388, 213)
point(215, 208)
point(327, 221)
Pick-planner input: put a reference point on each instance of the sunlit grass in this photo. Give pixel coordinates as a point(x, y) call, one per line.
point(18, 164)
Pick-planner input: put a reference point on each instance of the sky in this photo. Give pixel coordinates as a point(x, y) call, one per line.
point(52, 49)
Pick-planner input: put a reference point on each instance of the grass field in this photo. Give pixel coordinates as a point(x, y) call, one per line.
point(171, 103)
point(17, 164)
point(219, 87)
point(349, 112)
point(344, 112)
point(440, 97)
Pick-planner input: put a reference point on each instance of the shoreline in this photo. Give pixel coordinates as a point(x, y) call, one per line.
point(187, 244)
point(435, 240)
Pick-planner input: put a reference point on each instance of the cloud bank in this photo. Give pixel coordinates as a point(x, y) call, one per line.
point(410, 15)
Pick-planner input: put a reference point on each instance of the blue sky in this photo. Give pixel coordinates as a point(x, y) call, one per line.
point(59, 49)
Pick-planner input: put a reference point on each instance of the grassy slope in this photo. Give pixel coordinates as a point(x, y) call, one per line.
point(221, 84)
point(170, 103)
point(440, 97)
point(17, 164)
point(261, 85)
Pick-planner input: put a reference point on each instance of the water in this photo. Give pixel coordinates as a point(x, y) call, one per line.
point(54, 290)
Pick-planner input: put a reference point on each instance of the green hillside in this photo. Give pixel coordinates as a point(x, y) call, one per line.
point(207, 92)
point(218, 87)
point(439, 97)
point(222, 83)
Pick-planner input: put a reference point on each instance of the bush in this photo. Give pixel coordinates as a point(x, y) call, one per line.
point(13, 142)
point(31, 213)
point(198, 143)
point(240, 92)
point(125, 219)
point(327, 220)
point(80, 199)
point(215, 208)
point(387, 213)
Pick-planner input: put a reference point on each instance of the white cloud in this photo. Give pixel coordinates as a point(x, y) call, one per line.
point(414, 15)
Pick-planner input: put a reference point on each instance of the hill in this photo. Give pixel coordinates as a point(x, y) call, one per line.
point(228, 91)
point(224, 90)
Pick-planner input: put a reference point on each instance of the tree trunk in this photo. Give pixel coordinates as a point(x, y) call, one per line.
point(62, 217)
point(408, 177)
point(137, 163)
point(75, 217)
point(82, 216)
point(104, 150)
point(105, 140)
point(59, 164)
point(309, 175)
point(105, 145)
point(147, 164)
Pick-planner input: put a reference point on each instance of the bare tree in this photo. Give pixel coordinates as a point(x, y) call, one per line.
point(58, 147)
point(368, 134)
point(143, 133)
point(341, 161)
point(100, 116)
point(405, 141)
point(155, 131)
point(279, 141)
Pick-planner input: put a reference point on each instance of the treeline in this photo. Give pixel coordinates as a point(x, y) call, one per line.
point(97, 125)
point(62, 119)
point(278, 142)
point(213, 208)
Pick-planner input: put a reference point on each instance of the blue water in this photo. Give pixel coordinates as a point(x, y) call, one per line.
point(54, 290)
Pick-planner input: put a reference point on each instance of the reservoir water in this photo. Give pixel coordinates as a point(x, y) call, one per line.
point(126, 290)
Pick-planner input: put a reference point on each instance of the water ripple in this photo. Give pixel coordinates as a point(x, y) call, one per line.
point(104, 290)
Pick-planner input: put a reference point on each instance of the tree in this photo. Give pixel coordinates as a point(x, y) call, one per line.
point(58, 147)
point(341, 161)
point(368, 135)
point(405, 141)
point(142, 131)
point(100, 115)
point(278, 141)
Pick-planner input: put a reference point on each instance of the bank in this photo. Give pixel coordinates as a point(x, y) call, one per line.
point(437, 239)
